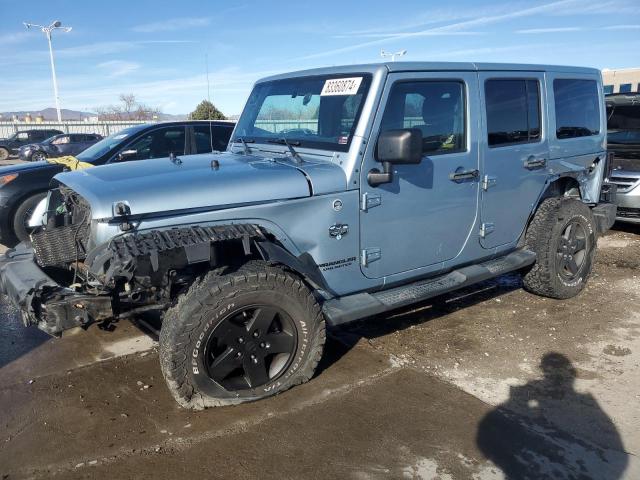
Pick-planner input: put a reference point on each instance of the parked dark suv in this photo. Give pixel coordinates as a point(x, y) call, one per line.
point(58, 146)
point(10, 146)
point(23, 186)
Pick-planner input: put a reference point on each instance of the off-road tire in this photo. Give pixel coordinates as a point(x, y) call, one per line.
point(21, 217)
point(545, 236)
point(208, 302)
point(4, 153)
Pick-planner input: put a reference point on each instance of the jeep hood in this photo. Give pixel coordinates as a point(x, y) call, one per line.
point(200, 182)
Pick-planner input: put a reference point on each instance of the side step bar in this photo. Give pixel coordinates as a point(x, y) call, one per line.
point(360, 305)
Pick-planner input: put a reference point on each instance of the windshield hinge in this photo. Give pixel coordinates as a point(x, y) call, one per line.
point(370, 200)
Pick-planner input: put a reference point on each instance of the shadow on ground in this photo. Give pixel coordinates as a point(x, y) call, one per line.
point(526, 445)
point(16, 340)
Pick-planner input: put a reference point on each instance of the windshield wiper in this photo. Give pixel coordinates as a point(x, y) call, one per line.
point(284, 141)
point(244, 142)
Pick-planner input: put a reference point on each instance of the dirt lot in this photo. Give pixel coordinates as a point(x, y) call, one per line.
point(487, 383)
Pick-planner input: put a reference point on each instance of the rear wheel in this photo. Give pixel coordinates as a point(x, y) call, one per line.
point(23, 213)
point(241, 336)
point(563, 236)
point(4, 153)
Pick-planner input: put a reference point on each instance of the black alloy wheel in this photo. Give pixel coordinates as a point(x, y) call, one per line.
point(572, 250)
point(250, 347)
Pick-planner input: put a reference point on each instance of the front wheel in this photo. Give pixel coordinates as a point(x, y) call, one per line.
point(241, 336)
point(38, 156)
point(21, 228)
point(4, 153)
point(563, 236)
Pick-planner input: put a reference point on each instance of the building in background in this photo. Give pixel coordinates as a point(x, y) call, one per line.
point(625, 80)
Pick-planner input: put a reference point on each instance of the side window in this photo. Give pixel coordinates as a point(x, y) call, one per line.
point(77, 138)
point(22, 136)
point(577, 108)
point(61, 140)
point(625, 88)
point(158, 143)
point(214, 138)
point(607, 89)
point(513, 111)
point(437, 108)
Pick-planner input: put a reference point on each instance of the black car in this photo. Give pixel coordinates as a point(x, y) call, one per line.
point(10, 146)
point(23, 186)
point(58, 146)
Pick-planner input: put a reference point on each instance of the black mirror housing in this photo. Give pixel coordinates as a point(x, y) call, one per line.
point(402, 146)
point(395, 147)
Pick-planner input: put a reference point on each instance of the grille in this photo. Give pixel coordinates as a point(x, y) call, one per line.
point(62, 245)
point(624, 183)
point(628, 212)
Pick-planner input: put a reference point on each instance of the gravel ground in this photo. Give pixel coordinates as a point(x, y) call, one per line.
point(487, 383)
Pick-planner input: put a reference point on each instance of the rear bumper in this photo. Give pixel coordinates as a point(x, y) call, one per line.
point(41, 300)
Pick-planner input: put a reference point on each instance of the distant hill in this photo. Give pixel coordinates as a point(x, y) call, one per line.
point(49, 114)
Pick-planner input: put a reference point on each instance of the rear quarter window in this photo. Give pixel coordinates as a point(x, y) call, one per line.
point(577, 108)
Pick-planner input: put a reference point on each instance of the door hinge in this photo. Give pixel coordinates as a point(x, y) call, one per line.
point(370, 255)
point(488, 181)
point(370, 200)
point(486, 229)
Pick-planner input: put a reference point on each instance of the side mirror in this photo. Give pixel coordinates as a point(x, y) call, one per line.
point(395, 147)
point(126, 153)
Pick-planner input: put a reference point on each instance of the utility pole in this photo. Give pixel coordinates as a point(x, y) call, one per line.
point(57, 25)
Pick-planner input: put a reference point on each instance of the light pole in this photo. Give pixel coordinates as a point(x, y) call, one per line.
point(57, 25)
point(393, 56)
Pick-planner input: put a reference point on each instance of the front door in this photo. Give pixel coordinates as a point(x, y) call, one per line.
point(424, 216)
point(514, 152)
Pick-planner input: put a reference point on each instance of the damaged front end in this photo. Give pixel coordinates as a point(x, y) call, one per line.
point(42, 279)
point(62, 280)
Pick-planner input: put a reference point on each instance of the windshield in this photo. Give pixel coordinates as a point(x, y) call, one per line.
point(107, 144)
point(315, 112)
point(623, 123)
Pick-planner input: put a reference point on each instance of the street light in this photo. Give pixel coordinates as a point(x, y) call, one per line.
point(393, 56)
point(57, 25)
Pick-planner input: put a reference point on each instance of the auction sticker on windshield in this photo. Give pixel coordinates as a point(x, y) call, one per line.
point(341, 86)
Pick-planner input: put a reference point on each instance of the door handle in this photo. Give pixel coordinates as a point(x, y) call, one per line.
point(460, 175)
point(533, 163)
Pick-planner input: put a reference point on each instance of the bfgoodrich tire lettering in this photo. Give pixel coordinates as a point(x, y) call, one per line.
point(212, 309)
point(563, 236)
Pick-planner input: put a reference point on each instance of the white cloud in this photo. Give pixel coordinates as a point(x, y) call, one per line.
point(173, 24)
point(15, 37)
point(622, 27)
point(550, 30)
point(118, 68)
point(453, 27)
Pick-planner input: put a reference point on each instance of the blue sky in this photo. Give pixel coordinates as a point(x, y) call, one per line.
point(156, 49)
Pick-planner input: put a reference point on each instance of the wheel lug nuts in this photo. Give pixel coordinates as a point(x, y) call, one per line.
point(239, 354)
point(262, 345)
point(255, 334)
point(240, 340)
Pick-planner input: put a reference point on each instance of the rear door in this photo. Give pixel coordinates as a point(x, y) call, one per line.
point(425, 215)
point(515, 152)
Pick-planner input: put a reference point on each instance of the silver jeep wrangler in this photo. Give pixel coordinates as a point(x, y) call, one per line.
point(345, 192)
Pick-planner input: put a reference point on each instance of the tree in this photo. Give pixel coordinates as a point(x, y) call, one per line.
point(206, 111)
point(129, 109)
